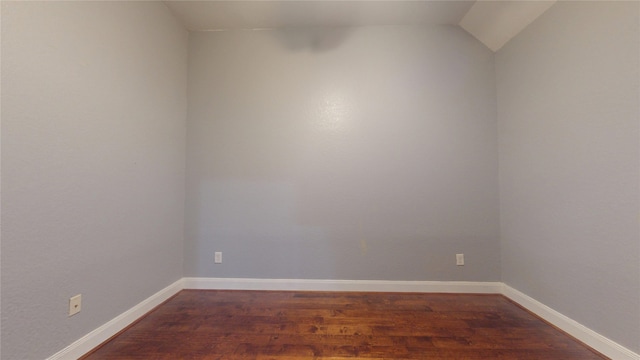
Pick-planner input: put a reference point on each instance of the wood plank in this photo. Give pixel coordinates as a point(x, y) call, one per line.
point(280, 325)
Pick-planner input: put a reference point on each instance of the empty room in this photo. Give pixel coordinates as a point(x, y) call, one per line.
point(320, 179)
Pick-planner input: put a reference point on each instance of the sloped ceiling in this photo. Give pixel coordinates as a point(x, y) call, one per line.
point(493, 22)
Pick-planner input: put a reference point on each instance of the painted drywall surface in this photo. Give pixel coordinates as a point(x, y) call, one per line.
point(568, 110)
point(93, 142)
point(345, 153)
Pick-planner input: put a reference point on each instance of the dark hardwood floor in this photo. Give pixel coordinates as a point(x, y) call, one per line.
point(197, 324)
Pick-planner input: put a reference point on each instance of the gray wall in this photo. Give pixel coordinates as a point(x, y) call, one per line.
point(568, 110)
point(93, 139)
point(365, 153)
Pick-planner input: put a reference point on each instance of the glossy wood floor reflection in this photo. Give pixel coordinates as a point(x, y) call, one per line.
point(198, 324)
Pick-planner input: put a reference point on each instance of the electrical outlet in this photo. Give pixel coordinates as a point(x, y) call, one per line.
point(75, 304)
point(217, 258)
point(460, 259)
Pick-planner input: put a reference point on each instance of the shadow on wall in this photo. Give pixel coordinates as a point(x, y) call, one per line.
point(310, 32)
point(312, 39)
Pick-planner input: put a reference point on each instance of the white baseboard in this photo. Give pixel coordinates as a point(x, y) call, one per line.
point(579, 331)
point(104, 332)
point(343, 285)
point(593, 339)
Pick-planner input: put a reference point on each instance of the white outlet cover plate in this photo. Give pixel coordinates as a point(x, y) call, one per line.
point(75, 304)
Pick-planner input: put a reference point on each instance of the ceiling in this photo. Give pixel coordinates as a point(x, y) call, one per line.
point(491, 22)
point(214, 15)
